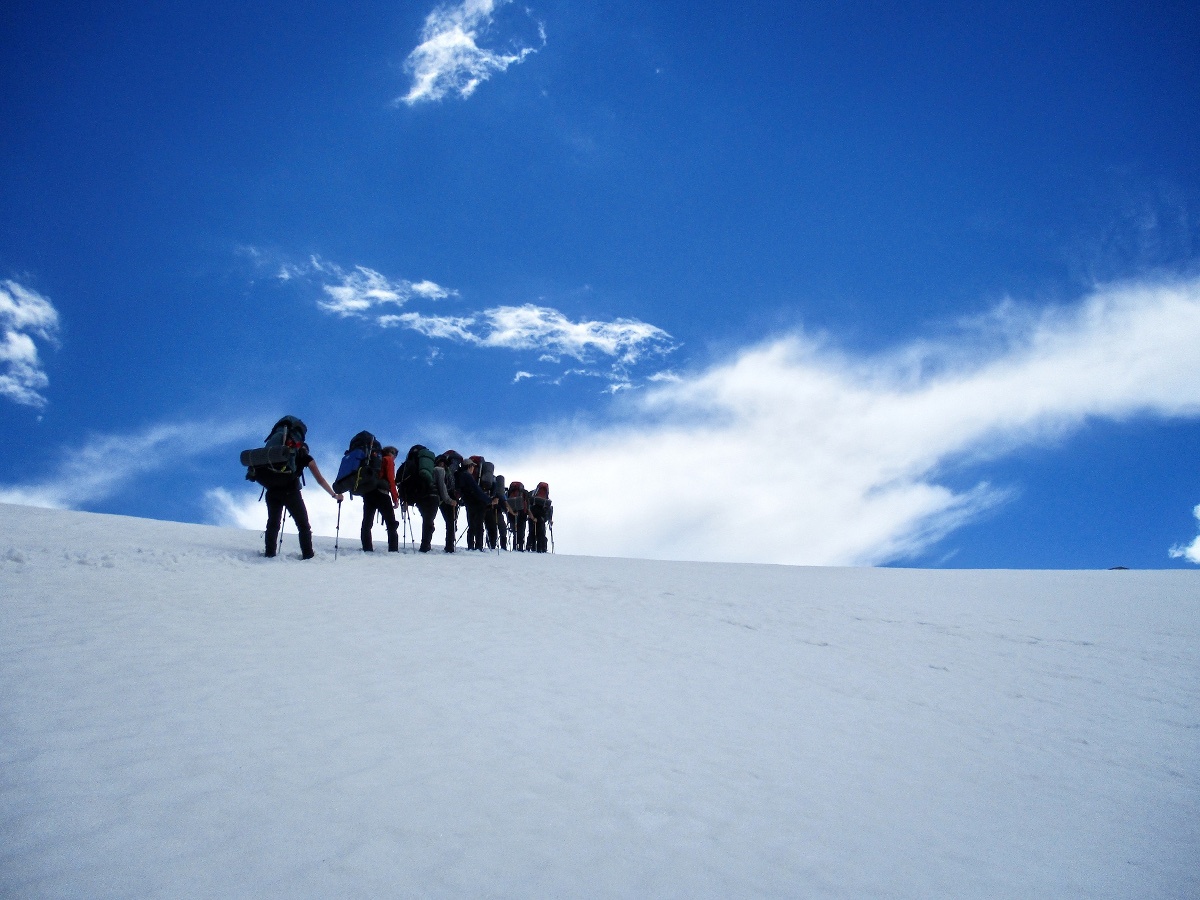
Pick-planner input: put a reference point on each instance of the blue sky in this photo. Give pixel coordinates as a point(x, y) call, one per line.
point(858, 283)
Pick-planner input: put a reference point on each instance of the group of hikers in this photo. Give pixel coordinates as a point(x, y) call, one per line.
point(495, 512)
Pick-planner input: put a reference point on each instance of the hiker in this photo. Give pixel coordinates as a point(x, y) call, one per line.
point(282, 487)
point(518, 503)
point(541, 514)
point(383, 500)
point(418, 487)
point(476, 502)
point(497, 520)
point(443, 480)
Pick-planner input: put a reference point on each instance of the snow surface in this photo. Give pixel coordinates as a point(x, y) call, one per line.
point(180, 717)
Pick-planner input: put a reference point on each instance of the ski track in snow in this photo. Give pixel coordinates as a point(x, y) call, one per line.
point(180, 717)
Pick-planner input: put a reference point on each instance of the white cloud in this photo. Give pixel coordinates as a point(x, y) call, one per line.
point(24, 315)
point(360, 293)
point(364, 293)
point(795, 453)
point(104, 465)
point(540, 328)
point(455, 328)
point(1192, 551)
point(449, 59)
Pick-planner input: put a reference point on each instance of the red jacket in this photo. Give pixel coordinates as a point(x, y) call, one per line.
point(389, 472)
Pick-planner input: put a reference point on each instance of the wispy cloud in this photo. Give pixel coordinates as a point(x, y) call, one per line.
point(104, 465)
point(450, 60)
point(1192, 551)
point(546, 330)
point(794, 452)
point(362, 292)
point(24, 315)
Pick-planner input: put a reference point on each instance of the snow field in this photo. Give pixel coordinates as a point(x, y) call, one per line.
point(180, 717)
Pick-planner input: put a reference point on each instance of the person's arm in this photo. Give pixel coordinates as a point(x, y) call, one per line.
point(389, 469)
point(312, 467)
point(439, 478)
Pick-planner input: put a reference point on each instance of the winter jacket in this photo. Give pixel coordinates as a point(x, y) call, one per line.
point(469, 490)
point(443, 484)
point(388, 473)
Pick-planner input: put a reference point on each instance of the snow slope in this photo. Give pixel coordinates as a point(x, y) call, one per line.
point(180, 717)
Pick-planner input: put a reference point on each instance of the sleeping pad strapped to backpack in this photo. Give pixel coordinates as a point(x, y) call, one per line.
point(273, 465)
point(361, 470)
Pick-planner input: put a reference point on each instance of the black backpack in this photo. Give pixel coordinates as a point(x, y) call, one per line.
point(487, 476)
point(274, 465)
point(416, 475)
point(361, 471)
point(452, 461)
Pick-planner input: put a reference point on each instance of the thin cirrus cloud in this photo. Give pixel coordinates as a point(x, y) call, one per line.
point(24, 315)
point(450, 61)
point(105, 464)
point(846, 451)
point(540, 328)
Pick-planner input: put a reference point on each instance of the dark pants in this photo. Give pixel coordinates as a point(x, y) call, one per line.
point(428, 509)
point(279, 499)
point(537, 534)
point(519, 531)
point(489, 524)
point(474, 527)
point(502, 527)
point(379, 502)
point(450, 517)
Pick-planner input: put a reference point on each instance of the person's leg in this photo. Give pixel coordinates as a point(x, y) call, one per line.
point(489, 522)
point(368, 520)
point(389, 520)
point(274, 516)
point(448, 518)
point(429, 510)
point(295, 506)
point(475, 524)
point(502, 529)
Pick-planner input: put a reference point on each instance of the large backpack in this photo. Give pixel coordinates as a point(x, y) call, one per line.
point(361, 471)
point(487, 475)
point(273, 465)
point(452, 461)
point(516, 497)
point(416, 475)
point(539, 503)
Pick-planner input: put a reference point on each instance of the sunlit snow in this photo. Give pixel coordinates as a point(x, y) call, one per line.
point(180, 717)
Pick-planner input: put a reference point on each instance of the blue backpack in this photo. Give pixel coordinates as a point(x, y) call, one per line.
point(361, 471)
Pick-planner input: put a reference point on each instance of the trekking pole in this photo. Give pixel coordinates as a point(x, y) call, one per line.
point(337, 532)
point(282, 525)
point(551, 524)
